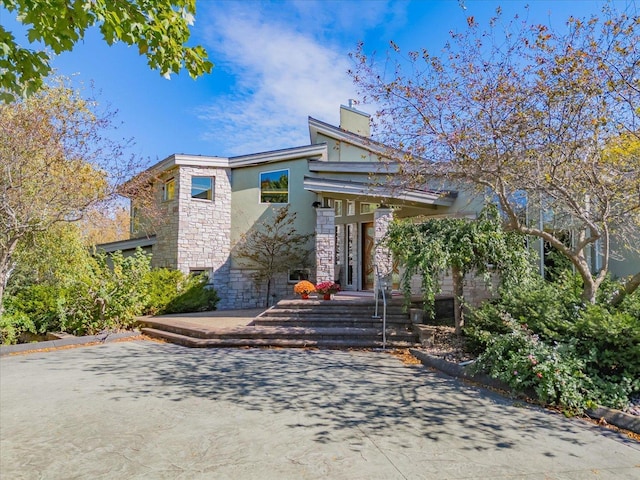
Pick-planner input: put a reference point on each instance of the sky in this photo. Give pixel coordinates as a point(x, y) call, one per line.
point(276, 63)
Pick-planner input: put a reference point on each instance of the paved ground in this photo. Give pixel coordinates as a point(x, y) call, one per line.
point(217, 318)
point(148, 410)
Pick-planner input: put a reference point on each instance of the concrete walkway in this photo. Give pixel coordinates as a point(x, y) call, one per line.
point(147, 410)
point(216, 318)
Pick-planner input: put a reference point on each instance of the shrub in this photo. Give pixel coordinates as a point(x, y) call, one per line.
point(196, 296)
point(13, 325)
point(528, 364)
point(567, 353)
point(40, 304)
point(163, 285)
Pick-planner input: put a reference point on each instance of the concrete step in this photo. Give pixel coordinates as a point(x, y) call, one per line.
point(284, 332)
point(272, 342)
point(328, 321)
point(353, 313)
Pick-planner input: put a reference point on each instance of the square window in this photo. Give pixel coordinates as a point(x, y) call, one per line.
point(169, 190)
point(297, 274)
point(367, 208)
point(274, 187)
point(202, 188)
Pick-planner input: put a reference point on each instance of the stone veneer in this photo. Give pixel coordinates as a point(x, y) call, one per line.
point(382, 217)
point(325, 244)
point(196, 234)
point(476, 290)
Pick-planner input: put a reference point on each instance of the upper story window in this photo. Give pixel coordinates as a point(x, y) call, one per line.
point(169, 190)
point(338, 207)
point(202, 187)
point(274, 187)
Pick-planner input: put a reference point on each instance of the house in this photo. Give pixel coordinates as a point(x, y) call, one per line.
point(341, 187)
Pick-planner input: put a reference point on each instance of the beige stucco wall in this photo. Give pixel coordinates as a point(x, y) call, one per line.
point(248, 212)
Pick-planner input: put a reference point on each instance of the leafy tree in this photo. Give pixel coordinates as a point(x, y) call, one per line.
point(526, 113)
point(54, 165)
point(159, 28)
point(273, 247)
point(463, 245)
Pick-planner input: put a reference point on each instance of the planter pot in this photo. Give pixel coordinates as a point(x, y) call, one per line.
point(305, 296)
point(327, 296)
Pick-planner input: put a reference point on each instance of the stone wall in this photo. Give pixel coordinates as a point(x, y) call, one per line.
point(476, 289)
point(165, 251)
point(382, 256)
point(325, 244)
point(204, 228)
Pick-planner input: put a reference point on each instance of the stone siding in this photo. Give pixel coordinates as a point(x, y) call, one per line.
point(476, 290)
point(382, 256)
point(325, 244)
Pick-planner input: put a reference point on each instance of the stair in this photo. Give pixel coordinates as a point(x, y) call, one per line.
point(299, 323)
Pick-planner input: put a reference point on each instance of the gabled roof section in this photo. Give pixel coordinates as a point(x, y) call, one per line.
point(316, 126)
point(390, 192)
point(318, 152)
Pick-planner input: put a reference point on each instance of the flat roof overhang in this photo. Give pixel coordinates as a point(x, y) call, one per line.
point(130, 244)
point(443, 198)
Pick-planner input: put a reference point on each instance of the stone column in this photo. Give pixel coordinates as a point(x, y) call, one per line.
point(325, 244)
point(382, 217)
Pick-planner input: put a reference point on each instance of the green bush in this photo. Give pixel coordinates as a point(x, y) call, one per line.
point(549, 309)
point(582, 353)
point(39, 303)
point(163, 285)
point(13, 325)
point(195, 296)
point(527, 364)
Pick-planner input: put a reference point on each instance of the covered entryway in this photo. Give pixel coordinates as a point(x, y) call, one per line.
point(352, 219)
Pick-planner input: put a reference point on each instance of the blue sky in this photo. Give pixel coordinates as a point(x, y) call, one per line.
point(275, 64)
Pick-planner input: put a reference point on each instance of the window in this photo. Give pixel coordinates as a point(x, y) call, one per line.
point(169, 190)
point(202, 188)
point(134, 223)
point(338, 207)
point(297, 274)
point(367, 208)
point(351, 208)
point(274, 187)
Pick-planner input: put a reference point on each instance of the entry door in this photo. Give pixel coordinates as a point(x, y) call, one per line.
point(368, 255)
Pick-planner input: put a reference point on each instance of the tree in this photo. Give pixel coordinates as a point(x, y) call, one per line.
point(273, 247)
point(159, 28)
point(460, 244)
point(530, 115)
point(54, 165)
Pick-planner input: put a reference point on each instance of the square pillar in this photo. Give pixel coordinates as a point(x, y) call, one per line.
point(382, 217)
point(325, 244)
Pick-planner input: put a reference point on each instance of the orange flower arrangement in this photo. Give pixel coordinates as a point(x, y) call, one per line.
point(304, 287)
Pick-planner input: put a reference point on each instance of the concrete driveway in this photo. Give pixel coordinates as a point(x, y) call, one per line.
point(160, 411)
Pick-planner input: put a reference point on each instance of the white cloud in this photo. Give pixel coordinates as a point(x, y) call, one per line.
point(283, 74)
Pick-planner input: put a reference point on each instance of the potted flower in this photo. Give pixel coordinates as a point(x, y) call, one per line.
point(327, 289)
point(304, 288)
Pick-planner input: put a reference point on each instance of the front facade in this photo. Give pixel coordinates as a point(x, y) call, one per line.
point(341, 187)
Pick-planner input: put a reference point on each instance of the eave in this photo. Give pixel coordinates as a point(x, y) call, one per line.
point(365, 189)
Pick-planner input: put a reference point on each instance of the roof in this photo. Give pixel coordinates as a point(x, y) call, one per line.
point(387, 191)
point(130, 244)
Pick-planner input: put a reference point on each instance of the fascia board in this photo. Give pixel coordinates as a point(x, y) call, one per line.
point(354, 188)
point(318, 151)
point(201, 161)
point(354, 167)
point(128, 244)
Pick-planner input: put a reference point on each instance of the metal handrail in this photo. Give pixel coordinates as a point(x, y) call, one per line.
point(380, 288)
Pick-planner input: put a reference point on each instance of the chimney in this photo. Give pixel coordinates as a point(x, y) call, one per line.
point(354, 121)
